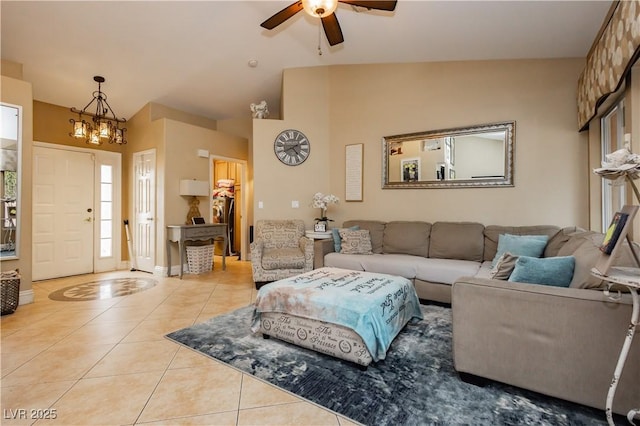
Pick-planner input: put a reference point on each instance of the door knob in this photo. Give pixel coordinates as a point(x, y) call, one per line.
point(88, 219)
point(149, 218)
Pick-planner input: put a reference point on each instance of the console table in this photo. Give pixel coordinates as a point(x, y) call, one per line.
point(182, 233)
point(630, 278)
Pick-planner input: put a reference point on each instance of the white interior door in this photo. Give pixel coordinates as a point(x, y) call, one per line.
point(144, 202)
point(63, 191)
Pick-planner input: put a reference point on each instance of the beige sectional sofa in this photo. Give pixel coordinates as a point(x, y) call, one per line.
point(434, 255)
point(559, 341)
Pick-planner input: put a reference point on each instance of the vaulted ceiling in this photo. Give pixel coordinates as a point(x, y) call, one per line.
point(194, 55)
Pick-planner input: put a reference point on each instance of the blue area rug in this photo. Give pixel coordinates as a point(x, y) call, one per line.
point(415, 385)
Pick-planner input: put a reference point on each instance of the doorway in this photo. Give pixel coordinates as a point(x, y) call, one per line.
point(76, 207)
point(228, 204)
point(144, 202)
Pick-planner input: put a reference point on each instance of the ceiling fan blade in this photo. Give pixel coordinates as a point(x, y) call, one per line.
point(373, 4)
point(332, 29)
point(282, 16)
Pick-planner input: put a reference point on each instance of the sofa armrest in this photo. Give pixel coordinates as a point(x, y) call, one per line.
point(306, 245)
point(322, 247)
point(562, 342)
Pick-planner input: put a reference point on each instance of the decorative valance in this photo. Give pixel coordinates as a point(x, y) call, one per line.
point(610, 60)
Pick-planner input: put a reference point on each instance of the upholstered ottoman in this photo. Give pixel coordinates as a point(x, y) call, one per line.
point(351, 315)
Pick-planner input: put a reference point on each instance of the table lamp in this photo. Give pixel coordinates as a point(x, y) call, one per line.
point(194, 189)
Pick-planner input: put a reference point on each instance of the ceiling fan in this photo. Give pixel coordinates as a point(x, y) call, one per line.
point(324, 9)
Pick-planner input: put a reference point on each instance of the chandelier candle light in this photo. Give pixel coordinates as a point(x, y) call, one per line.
point(103, 127)
point(321, 201)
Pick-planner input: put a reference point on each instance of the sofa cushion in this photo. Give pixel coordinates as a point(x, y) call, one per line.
point(484, 271)
point(492, 234)
point(585, 247)
point(520, 245)
point(355, 242)
point(282, 258)
point(457, 240)
point(406, 238)
point(280, 233)
point(557, 241)
point(403, 265)
point(555, 271)
point(337, 241)
point(504, 267)
point(445, 271)
point(375, 228)
point(352, 262)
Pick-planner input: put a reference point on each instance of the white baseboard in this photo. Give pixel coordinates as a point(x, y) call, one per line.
point(124, 264)
point(175, 270)
point(25, 297)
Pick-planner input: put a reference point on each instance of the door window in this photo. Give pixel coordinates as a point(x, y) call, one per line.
point(106, 210)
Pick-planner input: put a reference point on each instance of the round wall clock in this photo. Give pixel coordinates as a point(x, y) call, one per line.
point(291, 147)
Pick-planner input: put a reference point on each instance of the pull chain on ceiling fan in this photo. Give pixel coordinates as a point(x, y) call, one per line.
point(324, 9)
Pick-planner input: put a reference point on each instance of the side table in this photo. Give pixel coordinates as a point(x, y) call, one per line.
point(630, 278)
point(318, 235)
point(319, 238)
point(182, 233)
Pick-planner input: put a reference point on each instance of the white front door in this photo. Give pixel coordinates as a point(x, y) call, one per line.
point(63, 189)
point(144, 202)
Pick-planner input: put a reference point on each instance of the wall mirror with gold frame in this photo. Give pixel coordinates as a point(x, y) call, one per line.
point(10, 137)
point(474, 156)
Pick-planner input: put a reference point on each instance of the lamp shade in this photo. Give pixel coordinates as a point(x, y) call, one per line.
point(196, 188)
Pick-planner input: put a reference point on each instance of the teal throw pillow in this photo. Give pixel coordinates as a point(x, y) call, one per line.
point(337, 242)
point(520, 245)
point(554, 271)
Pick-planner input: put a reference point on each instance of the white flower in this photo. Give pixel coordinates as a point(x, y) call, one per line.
point(321, 201)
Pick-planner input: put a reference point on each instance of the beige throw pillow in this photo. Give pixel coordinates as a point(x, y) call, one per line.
point(355, 242)
point(504, 267)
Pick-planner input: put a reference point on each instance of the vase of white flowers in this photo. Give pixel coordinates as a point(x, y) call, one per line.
point(321, 201)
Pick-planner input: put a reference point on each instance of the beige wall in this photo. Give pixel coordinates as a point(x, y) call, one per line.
point(243, 127)
point(174, 135)
point(305, 102)
point(340, 105)
point(181, 142)
point(52, 125)
point(17, 92)
point(176, 144)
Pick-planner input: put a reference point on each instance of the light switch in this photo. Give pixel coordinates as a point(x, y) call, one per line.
point(295, 204)
point(260, 205)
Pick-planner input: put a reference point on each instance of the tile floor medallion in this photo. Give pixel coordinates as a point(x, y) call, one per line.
point(103, 289)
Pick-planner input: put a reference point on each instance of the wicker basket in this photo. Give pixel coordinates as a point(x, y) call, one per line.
point(10, 293)
point(200, 258)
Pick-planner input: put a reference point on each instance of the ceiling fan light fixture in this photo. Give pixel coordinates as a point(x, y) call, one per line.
point(320, 8)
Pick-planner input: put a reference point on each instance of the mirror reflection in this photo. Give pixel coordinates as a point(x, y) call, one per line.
point(9, 161)
point(479, 156)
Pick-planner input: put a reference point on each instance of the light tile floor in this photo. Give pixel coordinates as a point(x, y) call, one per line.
point(108, 362)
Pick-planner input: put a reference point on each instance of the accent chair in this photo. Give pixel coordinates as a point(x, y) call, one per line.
point(280, 250)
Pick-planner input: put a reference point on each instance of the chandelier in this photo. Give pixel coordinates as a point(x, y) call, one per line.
point(104, 125)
